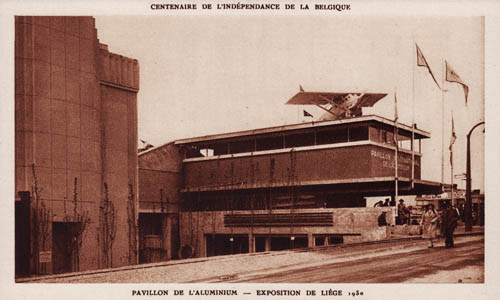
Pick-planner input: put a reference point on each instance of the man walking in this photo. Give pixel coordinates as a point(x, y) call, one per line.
point(449, 219)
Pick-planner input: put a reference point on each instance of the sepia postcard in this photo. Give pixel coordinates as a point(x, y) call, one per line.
point(251, 149)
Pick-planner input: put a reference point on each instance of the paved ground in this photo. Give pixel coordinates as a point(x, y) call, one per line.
point(407, 260)
point(414, 264)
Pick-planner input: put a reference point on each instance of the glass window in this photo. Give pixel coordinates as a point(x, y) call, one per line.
point(358, 134)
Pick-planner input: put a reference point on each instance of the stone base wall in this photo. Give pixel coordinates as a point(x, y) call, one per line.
point(354, 224)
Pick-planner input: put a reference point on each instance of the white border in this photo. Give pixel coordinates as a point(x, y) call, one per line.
point(489, 290)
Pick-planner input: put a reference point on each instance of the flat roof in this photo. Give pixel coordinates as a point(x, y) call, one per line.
point(419, 134)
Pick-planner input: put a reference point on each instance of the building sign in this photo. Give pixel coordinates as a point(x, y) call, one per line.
point(45, 256)
point(404, 163)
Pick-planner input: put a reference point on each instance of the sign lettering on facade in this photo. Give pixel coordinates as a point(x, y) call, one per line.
point(404, 163)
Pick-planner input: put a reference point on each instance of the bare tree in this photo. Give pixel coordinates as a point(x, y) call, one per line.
point(107, 228)
point(41, 218)
point(80, 222)
point(164, 213)
point(132, 226)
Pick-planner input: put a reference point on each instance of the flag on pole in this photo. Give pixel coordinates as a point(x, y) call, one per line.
point(452, 76)
point(422, 62)
point(396, 117)
point(452, 140)
point(306, 114)
point(453, 135)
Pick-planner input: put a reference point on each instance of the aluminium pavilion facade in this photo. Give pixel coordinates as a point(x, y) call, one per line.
point(291, 186)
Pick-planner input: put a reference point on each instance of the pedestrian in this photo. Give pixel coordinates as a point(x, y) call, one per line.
point(408, 214)
point(461, 212)
point(402, 212)
point(429, 224)
point(449, 223)
point(386, 203)
point(382, 221)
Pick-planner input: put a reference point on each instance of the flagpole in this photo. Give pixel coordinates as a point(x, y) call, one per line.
point(421, 61)
point(395, 156)
point(451, 176)
point(451, 157)
point(414, 62)
point(442, 125)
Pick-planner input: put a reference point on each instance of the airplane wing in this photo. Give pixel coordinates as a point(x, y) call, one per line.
point(321, 98)
point(337, 105)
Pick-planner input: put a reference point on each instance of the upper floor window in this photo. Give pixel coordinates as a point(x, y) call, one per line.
point(284, 140)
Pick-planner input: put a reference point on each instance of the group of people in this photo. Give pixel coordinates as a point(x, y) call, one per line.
point(446, 221)
point(432, 222)
point(385, 203)
point(404, 213)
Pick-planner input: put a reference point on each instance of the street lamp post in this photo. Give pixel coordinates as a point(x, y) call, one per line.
point(468, 196)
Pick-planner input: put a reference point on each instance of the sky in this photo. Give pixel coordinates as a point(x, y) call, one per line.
point(203, 75)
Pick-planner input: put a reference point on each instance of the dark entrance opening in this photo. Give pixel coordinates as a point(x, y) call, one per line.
point(328, 239)
point(22, 235)
point(285, 242)
point(280, 243)
point(64, 258)
point(299, 242)
point(335, 239)
point(260, 244)
point(225, 244)
point(151, 237)
point(319, 241)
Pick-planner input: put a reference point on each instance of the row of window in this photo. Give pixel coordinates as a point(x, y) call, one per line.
point(293, 140)
point(323, 137)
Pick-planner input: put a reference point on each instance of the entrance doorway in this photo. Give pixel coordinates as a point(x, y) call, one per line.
point(286, 242)
point(64, 247)
point(225, 244)
point(328, 239)
point(22, 235)
point(151, 237)
point(260, 243)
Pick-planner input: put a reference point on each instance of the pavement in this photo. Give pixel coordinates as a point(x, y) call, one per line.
point(240, 266)
point(408, 263)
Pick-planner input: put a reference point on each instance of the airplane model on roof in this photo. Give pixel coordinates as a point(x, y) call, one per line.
point(337, 105)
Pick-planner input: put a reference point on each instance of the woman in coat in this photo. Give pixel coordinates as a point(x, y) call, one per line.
point(429, 224)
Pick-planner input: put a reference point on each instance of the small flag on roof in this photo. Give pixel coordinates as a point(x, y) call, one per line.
point(145, 147)
point(306, 114)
